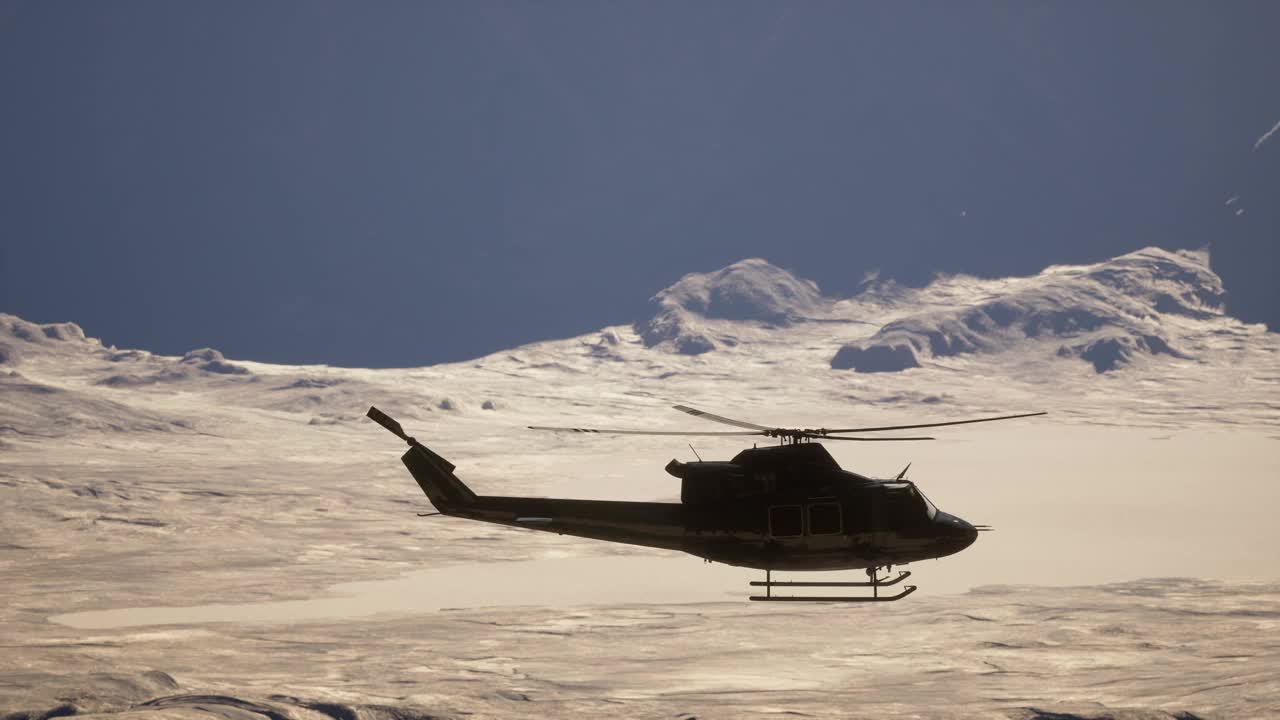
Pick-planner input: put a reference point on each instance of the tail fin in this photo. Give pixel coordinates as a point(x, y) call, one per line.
point(433, 473)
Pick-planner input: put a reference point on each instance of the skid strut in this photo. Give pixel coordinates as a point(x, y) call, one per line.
point(874, 582)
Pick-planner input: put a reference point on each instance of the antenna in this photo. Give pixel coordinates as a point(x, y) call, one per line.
point(695, 452)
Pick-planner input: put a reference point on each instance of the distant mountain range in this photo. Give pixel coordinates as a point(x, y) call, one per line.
point(1149, 302)
point(1153, 320)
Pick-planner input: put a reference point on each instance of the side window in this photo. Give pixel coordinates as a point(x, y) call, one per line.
point(784, 521)
point(824, 519)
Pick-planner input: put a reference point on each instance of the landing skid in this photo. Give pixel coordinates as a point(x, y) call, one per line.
point(875, 583)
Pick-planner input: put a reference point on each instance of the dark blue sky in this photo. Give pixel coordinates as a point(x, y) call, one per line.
point(403, 183)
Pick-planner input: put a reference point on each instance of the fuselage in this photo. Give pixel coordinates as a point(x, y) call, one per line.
point(779, 508)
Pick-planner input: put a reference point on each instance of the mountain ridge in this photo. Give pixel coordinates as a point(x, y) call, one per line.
point(1107, 313)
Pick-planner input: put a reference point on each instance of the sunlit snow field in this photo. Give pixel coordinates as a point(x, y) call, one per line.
point(196, 537)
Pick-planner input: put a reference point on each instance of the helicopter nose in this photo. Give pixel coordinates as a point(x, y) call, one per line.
point(956, 530)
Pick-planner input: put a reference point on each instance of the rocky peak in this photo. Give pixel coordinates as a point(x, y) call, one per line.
point(751, 290)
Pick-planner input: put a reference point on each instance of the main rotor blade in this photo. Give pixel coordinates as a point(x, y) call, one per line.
point(718, 418)
point(928, 425)
point(875, 439)
point(605, 431)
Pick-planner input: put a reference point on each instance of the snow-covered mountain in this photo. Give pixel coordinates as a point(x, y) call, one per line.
point(1146, 303)
point(1140, 303)
point(750, 290)
point(1153, 319)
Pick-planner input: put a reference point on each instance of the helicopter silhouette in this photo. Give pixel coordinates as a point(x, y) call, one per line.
point(783, 507)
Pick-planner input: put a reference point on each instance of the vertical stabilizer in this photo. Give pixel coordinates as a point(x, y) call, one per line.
point(435, 476)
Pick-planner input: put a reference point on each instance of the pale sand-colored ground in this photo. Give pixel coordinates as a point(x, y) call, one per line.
point(1153, 649)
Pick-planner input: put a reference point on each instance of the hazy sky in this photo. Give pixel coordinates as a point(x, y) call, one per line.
point(402, 183)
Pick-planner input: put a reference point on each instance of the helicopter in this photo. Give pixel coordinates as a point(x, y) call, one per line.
point(786, 507)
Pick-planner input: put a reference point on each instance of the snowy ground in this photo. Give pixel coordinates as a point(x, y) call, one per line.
point(225, 490)
point(1157, 648)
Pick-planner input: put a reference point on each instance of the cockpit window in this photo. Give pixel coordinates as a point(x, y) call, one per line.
point(929, 507)
point(913, 496)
